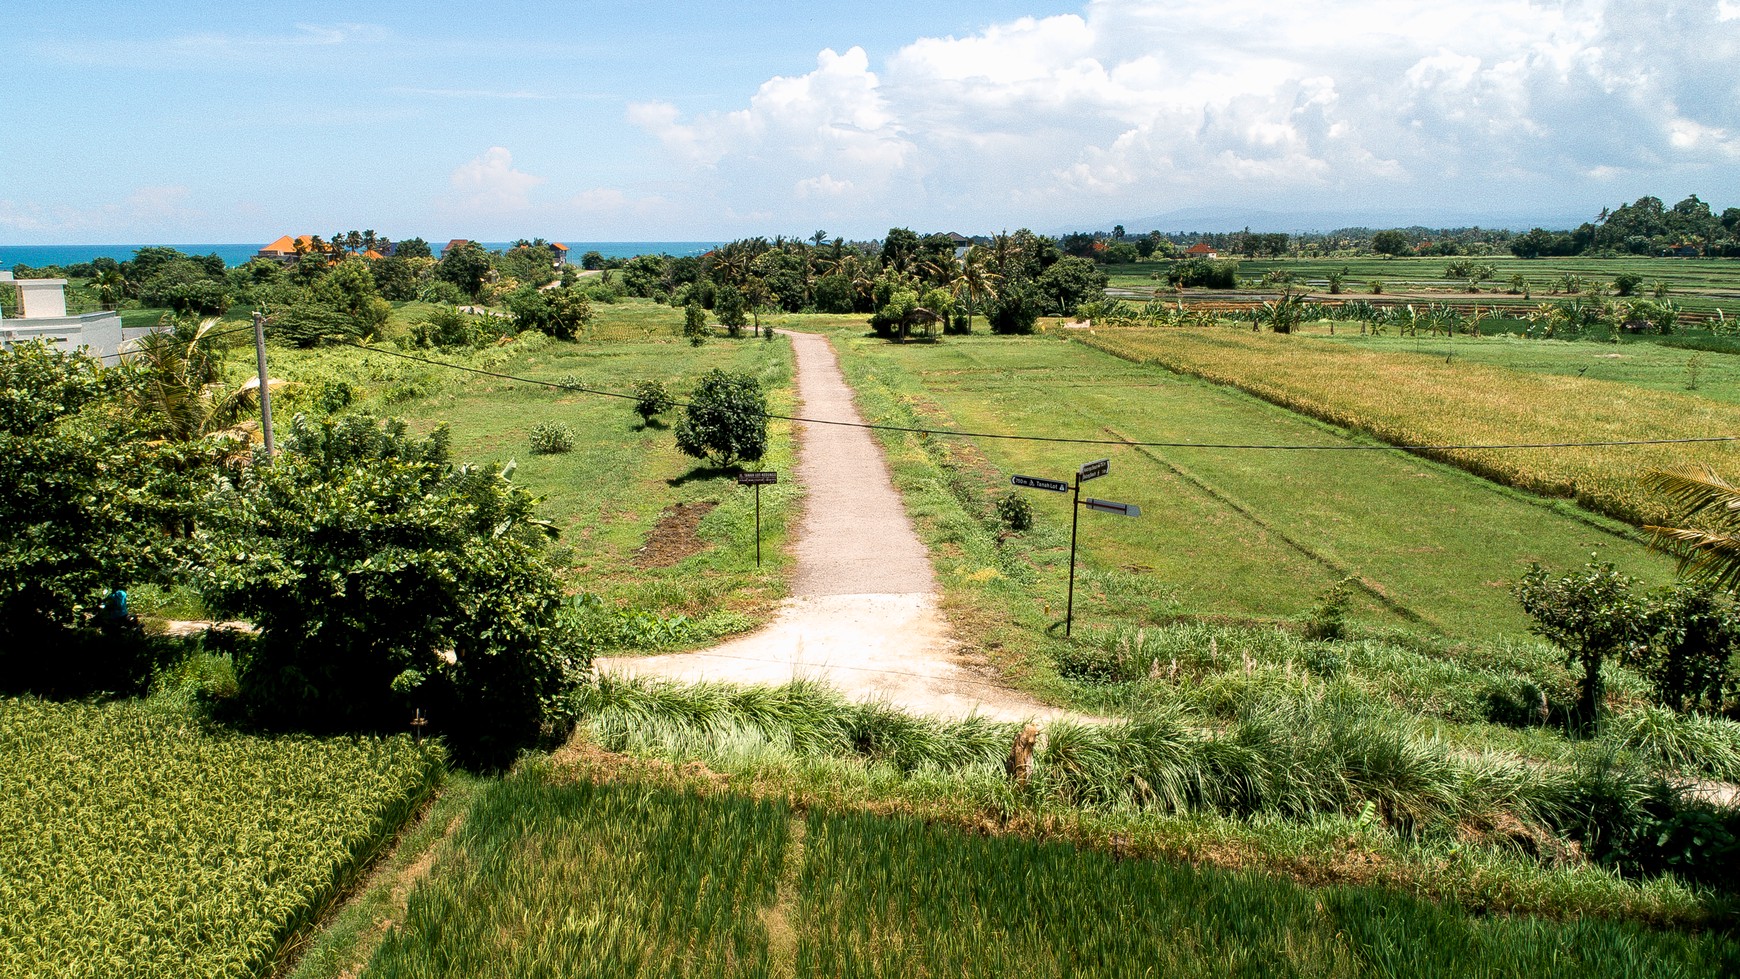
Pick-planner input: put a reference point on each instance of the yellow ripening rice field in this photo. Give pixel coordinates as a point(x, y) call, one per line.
point(1407, 399)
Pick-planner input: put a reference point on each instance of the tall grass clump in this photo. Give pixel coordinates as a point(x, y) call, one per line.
point(803, 717)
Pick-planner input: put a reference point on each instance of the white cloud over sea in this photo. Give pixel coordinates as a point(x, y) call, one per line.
point(1138, 107)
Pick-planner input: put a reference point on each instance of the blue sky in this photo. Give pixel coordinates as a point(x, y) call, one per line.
point(200, 122)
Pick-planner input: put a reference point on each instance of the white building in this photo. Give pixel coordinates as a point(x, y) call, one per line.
point(43, 316)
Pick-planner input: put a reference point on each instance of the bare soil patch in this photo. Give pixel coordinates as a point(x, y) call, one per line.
point(675, 536)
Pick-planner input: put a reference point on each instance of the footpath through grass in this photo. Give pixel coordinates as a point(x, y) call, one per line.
point(1241, 534)
point(560, 875)
point(134, 842)
point(1410, 400)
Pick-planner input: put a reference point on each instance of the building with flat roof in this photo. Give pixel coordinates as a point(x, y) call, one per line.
point(42, 316)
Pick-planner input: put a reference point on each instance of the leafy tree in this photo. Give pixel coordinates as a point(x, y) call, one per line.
point(1690, 662)
point(562, 313)
point(592, 261)
point(401, 278)
point(900, 249)
point(1016, 308)
point(726, 419)
point(1205, 273)
point(732, 308)
point(646, 276)
point(76, 502)
point(1389, 243)
point(412, 248)
point(384, 578)
point(348, 289)
point(651, 400)
point(1592, 615)
point(1626, 283)
point(468, 266)
point(695, 324)
point(1072, 281)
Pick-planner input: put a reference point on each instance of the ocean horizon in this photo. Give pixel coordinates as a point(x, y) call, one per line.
point(238, 253)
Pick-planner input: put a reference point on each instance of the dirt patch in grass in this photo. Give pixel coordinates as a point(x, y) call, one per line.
point(675, 536)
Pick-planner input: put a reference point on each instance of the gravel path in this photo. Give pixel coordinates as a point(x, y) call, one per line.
point(863, 616)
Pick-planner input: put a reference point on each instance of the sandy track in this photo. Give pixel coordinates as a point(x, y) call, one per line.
point(863, 616)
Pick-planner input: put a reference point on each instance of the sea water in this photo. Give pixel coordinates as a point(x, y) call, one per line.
point(38, 256)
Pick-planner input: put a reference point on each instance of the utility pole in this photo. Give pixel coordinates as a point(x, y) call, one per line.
point(265, 388)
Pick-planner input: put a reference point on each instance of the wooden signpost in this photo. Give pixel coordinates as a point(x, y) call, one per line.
point(1088, 470)
point(757, 480)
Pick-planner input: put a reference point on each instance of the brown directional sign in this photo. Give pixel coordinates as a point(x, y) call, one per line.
point(1037, 482)
point(1107, 506)
point(757, 478)
point(1095, 469)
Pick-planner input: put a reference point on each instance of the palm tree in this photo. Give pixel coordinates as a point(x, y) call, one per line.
point(1710, 552)
point(180, 395)
point(111, 285)
point(976, 281)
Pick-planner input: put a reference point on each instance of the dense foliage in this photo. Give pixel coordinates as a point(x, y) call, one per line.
point(725, 420)
point(80, 515)
point(384, 579)
point(135, 842)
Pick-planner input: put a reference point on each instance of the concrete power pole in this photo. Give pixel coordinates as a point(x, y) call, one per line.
point(265, 388)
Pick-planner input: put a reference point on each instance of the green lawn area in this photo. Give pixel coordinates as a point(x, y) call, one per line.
point(1245, 534)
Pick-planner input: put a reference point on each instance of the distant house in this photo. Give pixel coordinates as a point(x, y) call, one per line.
point(561, 252)
point(371, 254)
point(285, 250)
point(455, 243)
point(1683, 250)
point(43, 316)
point(1201, 249)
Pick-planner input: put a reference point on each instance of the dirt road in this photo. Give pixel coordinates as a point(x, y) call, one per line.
point(863, 616)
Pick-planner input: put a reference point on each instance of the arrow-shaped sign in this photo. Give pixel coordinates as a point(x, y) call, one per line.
point(1107, 506)
point(1095, 469)
point(1036, 482)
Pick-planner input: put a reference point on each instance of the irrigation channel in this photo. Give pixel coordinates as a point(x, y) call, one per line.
point(863, 616)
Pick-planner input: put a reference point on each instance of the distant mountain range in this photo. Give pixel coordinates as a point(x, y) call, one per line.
point(1296, 222)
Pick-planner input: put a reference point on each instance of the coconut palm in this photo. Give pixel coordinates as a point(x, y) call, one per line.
point(179, 394)
point(975, 281)
point(1709, 551)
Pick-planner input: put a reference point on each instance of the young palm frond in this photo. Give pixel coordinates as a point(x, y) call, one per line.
point(1710, 552)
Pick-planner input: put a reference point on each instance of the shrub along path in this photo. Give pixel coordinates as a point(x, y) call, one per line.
point(863, 616)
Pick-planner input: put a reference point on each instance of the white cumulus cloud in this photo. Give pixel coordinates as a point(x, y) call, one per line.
point(490, 184)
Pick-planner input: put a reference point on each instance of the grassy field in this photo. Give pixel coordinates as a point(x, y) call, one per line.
point(133, 842)
point(643, 527)
point(1699, 285)
point(1249, 534)
point(1642, 364)
point(1405, 399)
point(558, 875)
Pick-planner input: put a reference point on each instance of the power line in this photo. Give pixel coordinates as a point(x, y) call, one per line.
point(953, 433)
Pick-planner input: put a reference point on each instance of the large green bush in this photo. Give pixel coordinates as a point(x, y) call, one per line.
point(725, 420)
point(383, 579)
point(79, 501)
